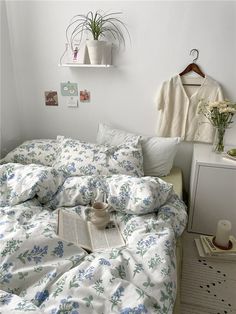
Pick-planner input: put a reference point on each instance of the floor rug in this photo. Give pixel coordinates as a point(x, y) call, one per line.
point(208, 286)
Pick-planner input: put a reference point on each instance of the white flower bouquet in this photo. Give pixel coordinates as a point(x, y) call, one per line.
point(220, 114)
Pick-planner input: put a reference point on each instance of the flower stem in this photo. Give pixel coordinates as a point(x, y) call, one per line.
point(219, 143)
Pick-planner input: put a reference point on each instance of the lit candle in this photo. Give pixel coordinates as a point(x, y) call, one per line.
point(223, 233)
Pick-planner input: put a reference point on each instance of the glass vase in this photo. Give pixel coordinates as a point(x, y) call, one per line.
point(218, 143)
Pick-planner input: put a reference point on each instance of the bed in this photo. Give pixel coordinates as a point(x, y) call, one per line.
point(41, 273)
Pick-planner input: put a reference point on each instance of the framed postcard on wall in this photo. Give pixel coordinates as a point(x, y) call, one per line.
point(51, 98)
point(69, 89)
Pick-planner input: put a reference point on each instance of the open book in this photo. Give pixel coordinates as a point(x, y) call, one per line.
point(84, 234)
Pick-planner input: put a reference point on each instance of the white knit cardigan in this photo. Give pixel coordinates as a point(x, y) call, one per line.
point(178, 110)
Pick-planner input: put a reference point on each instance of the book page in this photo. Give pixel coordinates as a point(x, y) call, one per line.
point(109, 237)
point(73, 229)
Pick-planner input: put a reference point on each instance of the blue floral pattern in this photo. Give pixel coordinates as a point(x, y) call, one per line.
point(19, 183)
point(34, 151)
point(80, 158)
point(123, 193)
point(41, 273)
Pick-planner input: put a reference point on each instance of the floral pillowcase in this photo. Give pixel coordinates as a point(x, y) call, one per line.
point(123, 193)
point(137, 195)
point(42, 151)
point(76, 158)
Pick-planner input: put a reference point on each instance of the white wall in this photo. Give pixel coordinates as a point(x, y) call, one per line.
point(162, 35)
point(9, 115)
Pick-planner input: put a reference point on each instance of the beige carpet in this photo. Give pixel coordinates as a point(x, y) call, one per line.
point(208, 286)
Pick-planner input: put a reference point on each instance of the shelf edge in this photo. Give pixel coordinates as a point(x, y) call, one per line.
point(74, 65)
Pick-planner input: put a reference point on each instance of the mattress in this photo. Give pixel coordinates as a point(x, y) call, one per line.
point(176, 178)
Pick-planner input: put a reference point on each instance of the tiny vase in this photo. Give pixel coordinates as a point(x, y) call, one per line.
point(218, 143)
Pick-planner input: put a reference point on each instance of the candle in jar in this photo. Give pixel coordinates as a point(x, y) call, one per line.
point(223, 233)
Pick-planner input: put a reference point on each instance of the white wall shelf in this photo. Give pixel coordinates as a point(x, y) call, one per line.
point(82, 65)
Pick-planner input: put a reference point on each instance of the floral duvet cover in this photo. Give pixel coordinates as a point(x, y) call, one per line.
point(41, 273)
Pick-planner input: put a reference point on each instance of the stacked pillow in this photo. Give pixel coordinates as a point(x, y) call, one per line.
point(158, 152)
point(116, 152)
point(76, 158)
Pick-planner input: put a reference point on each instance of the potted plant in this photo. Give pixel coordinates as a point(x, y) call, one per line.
point(99, 25)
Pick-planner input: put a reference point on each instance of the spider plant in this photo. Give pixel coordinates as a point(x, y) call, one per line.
point(98, 24)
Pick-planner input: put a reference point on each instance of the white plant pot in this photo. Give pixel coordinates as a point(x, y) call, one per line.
point(96, 50)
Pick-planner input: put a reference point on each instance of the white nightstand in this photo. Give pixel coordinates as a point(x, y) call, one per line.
point(212, 190)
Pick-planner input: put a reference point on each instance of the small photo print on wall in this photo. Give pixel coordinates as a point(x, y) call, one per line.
point(72, 102)
point(84, 95)
point(51, 98)
point(69, 89)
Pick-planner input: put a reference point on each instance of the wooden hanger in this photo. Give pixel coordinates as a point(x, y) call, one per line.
point(193, 67)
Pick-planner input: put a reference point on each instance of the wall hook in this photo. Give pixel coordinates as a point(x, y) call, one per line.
point(192, 52)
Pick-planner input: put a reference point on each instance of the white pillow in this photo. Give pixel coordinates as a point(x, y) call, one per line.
point(76, 158)
point(158, 152)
